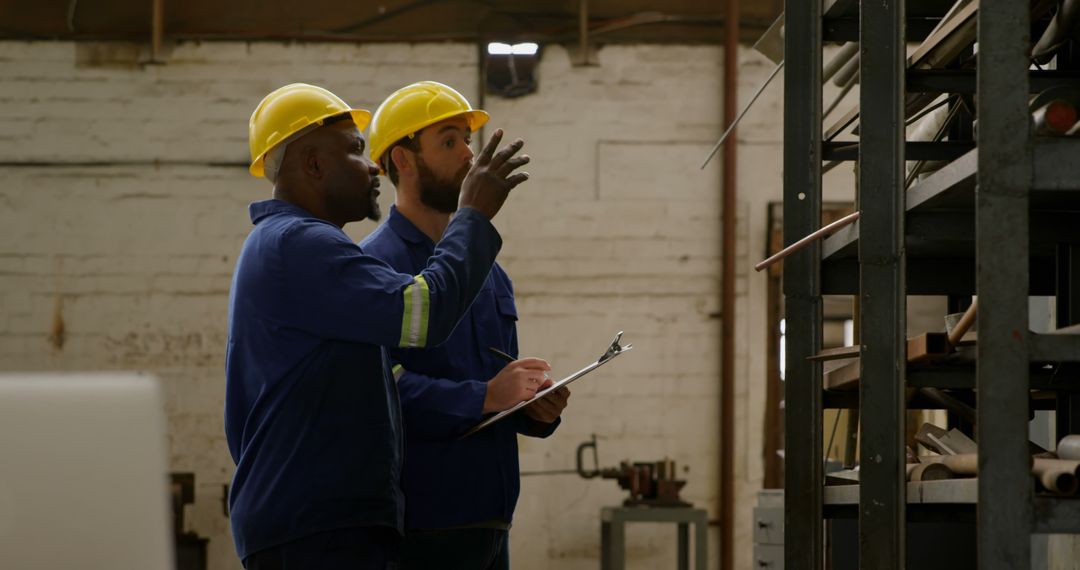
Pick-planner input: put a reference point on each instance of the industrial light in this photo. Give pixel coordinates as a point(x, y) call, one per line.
point(499, 48)
point(510, 69)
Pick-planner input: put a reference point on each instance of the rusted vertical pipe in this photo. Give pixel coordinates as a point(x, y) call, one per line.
point(481, 83)
point(727, 292)
point(157, 30)
point(583, 32)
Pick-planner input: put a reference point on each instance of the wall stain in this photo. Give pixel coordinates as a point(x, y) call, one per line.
point(56, 332)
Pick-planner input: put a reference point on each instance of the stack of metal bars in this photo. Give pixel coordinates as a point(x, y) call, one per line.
point(1011, 164)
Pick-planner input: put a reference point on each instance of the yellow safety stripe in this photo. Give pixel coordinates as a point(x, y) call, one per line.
point(414, 320)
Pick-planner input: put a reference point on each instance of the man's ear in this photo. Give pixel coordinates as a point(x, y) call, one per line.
point(403, 161)
point(310, 162)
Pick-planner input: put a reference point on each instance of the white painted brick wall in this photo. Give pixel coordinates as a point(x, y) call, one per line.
point(617, 230)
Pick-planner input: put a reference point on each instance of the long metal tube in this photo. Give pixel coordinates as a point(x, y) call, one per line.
point(849, 72)
point(809, 239)
point(731, 126)
point(583, 32)
point(1057, 32)
point(1069, 447)
point(727, 289)
point(157, 30)
point(842, 57)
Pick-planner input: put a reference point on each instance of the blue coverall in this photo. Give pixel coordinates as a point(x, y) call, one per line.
point(451, 483)
point(312, 415)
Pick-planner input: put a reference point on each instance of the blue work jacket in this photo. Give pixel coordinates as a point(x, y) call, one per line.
point(312, 415)
point(450, 482)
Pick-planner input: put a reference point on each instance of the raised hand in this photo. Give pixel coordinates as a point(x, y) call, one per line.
point(491, 177)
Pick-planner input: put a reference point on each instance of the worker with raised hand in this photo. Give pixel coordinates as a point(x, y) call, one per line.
point(312, 415)
point(460, 493)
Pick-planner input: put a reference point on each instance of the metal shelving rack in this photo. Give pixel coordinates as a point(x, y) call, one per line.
point(1024, 215)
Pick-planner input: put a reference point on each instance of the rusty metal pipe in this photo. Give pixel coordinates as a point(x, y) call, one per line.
point(823, 232)
point(963, 325)
point(727, 288)
point(157, 30)
point(583, 32)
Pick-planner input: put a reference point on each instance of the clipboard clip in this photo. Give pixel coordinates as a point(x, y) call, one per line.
point(614, 349)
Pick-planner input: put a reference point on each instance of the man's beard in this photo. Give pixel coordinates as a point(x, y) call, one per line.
point(436, 193)
point(374, 211)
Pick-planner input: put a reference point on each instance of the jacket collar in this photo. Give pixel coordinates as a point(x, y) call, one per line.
point(263, 208)
point(405, 229)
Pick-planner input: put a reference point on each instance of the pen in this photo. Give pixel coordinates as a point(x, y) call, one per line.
point(509, 358)
point(501, 354)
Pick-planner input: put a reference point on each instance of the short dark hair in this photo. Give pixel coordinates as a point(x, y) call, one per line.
point(412, 143)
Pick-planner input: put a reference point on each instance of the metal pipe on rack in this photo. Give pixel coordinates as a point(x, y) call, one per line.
point(1057, 475)
point(964, 411)
point(848, 73)
point(1055, 118)
point(928, 472)
point(1060, 29)
point(963, 325)
point(823, 232)
point(840, 60)
point(1069, 447)
point(962, 464)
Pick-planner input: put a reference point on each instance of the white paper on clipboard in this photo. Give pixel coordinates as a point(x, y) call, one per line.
point(614, 350)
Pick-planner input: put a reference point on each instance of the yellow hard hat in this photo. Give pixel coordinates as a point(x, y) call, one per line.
point(286, 111)
point(414, 107)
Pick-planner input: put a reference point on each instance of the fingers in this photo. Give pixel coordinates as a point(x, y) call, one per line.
point(516, 179)
point(558, 398)
point(489, 149)
point(531, 362)
point(513, 164)
point(505, 153)
point(561, 395)
point(538, 414)
point(547, 409)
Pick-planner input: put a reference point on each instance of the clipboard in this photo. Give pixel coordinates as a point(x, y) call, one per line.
point(612, 351)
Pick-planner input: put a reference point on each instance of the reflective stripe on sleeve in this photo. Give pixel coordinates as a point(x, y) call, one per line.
point(414, 320)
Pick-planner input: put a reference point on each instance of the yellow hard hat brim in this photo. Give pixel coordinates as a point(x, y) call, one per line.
point(360, 117)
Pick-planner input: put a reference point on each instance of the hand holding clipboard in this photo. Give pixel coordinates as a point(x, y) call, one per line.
point(614, 350)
